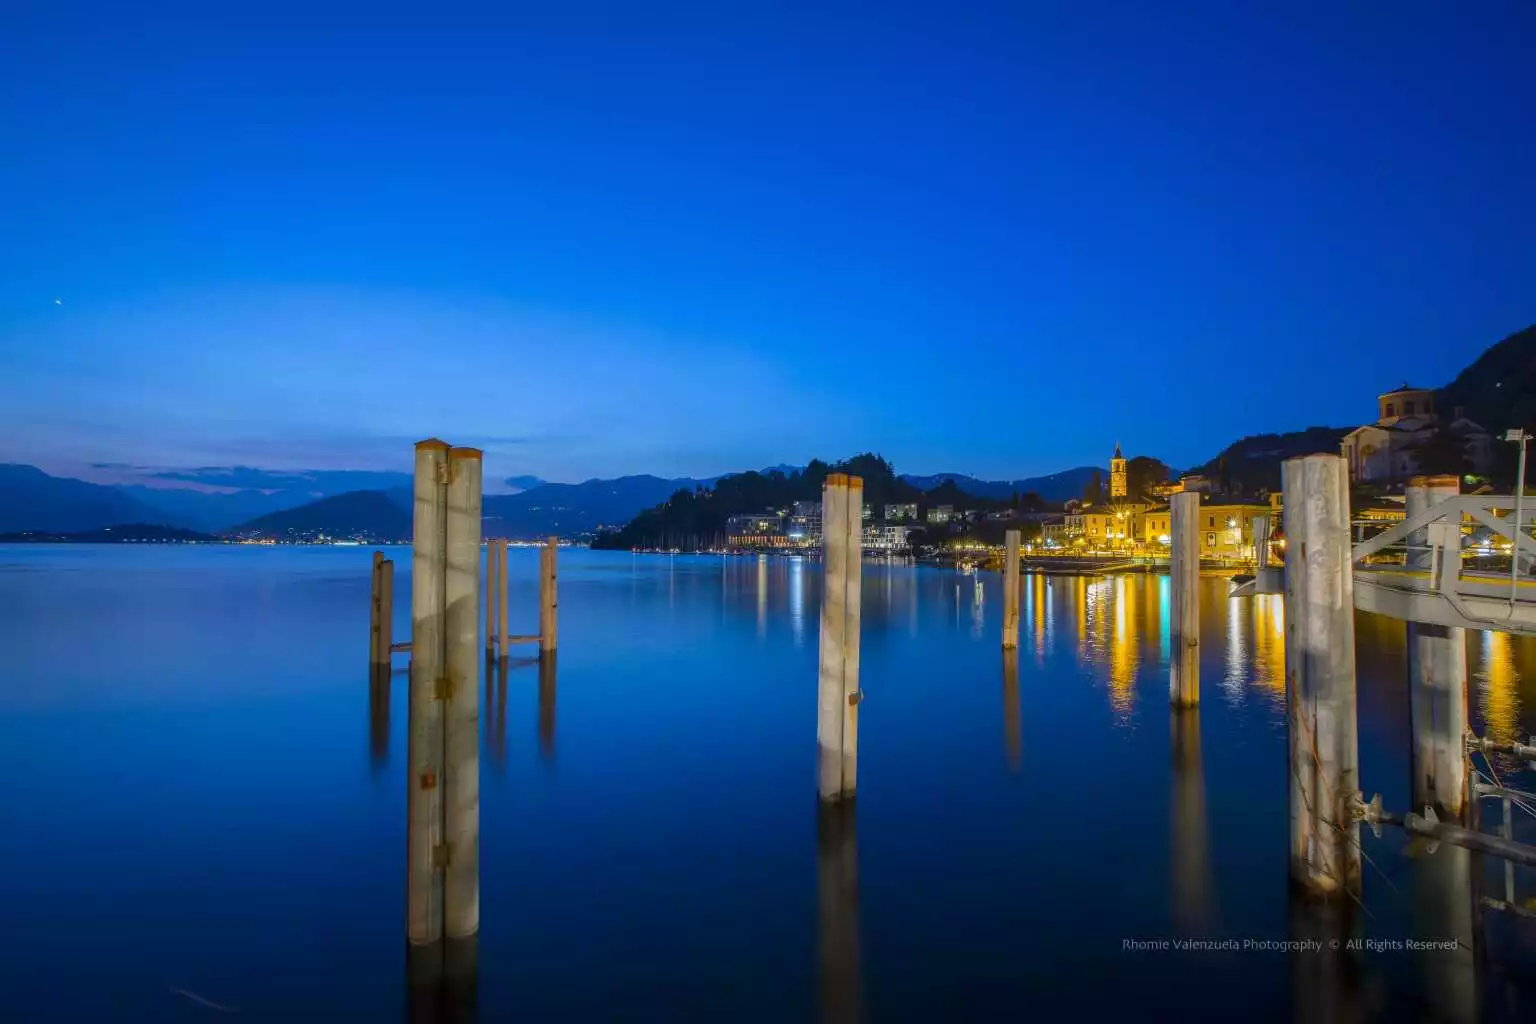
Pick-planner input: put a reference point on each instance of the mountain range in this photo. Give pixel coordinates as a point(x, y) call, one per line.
point(1498, 389)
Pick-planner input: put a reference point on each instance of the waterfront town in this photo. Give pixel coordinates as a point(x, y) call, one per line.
point(1133, 522)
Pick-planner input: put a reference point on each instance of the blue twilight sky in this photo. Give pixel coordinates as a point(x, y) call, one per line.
point(692, 238)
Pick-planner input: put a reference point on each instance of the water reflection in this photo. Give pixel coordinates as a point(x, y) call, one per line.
point(762, 596)
point(1443, 905)
point(378, 716)
point(547, 705)
point(442, 982)
point(797, 586)
point(976, 609)
point(1498, 692)
point(1327, 984)
point(1234, 681)
point(1268, 661)
point(837, 889)
point(1013, 725)
point(1124, 647)
point(1191, 865)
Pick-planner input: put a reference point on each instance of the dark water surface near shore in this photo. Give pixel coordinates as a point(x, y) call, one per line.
point(203, 800)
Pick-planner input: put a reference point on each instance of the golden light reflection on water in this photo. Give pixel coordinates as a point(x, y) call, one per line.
point(1124, 647)
point(1234, 680)
point(1040, 615)
point(1268, 611)
point(1498, 688)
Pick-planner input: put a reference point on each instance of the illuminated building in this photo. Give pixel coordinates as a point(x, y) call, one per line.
point(1385, 451)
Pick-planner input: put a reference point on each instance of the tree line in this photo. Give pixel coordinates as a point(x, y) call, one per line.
point(696, 518)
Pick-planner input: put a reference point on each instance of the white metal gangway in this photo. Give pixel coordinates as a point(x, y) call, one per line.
point(1433, 585)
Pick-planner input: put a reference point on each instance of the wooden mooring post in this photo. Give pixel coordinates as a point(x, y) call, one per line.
point(1011, 590)
point(1437, 678)
point(1184, 600)
point(381, 612)
point(549, 604)
point(424, 811)
point(442, 801)
point(1321, 730)
point(838, 693)
point(491, 592)
point(461, 727)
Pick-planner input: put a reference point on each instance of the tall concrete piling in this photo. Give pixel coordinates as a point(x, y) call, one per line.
point(838, 693)
point(1437, 678)
point(1184, 600)
point(424, 810)
point(461, 773)
point(1011, 590)
point(549, 603)
point(1320, 679)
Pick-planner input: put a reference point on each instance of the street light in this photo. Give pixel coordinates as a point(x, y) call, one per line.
point(1521, 437)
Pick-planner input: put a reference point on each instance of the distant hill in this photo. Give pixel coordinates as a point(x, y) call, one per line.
point(356, 515)
point(1253, 464)
point(1069, 483)
point(216, 498)
point(570, 510)
point(211, 511)
point(131, 533)
point(32, 500)
point(523, 483)
point(1499, 389)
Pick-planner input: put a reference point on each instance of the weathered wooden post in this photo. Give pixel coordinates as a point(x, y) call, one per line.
point(424, 811)
point(501, 605)
point(1437, 677)
point(386, 612)
point(375, 612)
point(1184, 601)
point(491, 592)
point(853, 598)
point(461, 772)
point(548, 596)
point(1320, 678)
point(838, 692)
point(1011, 590)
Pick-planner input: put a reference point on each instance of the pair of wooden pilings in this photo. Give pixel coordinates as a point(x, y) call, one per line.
point(443, 791)
point(1322, 734)
point(381, 622)
point(1323, 731)
point(497, 641)
point(838, 693)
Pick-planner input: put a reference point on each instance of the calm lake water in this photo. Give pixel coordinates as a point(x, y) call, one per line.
point(204, 801)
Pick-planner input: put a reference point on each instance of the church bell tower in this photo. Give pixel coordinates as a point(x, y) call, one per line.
point(1117, 475)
